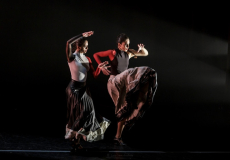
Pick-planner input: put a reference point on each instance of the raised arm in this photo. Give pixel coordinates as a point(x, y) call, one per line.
point(69, 43)
point(140, 52)
point(69, 52)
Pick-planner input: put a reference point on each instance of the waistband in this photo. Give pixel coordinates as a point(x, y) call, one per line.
point(77, 83)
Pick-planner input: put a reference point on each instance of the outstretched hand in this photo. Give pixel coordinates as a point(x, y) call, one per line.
point(87, 34)
point(140, 46)
point(104, 68)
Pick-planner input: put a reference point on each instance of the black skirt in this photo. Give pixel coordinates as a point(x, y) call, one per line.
point(81, 116)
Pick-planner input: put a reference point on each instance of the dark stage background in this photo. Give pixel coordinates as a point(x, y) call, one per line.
point(187, 44)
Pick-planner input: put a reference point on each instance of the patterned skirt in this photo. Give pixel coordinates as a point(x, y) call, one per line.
point(81, 116)
point(132, 92)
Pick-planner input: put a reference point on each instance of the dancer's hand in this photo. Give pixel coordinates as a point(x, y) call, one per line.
point(140, 46)
point(87, 34)
point(104, 68)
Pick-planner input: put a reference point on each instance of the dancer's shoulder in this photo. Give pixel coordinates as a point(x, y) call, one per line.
point(88, 59)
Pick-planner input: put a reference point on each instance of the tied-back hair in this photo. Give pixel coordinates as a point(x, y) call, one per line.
point(79, 43)
point(121, 38)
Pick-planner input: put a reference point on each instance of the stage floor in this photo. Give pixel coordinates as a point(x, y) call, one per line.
point(25, 146)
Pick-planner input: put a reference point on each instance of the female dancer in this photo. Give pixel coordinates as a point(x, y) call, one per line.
point(132, 90)
point(82, 122)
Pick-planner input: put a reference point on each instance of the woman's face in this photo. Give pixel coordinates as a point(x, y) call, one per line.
point(124, 46)
point(84, 47)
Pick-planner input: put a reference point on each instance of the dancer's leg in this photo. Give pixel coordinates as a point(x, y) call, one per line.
point(120, 127)
point(76, 143)
point(141, 99)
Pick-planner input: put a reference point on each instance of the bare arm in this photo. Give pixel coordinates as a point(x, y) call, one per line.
point(69, 46)
point(140, 52)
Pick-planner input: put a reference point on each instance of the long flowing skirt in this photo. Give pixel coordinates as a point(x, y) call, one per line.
point(132, 92)
point(81, 116)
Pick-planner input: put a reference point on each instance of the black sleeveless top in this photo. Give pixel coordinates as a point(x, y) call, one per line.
point(120, 62)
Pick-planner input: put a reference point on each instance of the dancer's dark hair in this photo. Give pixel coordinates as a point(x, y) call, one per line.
point(122, 37)
point(80, 42)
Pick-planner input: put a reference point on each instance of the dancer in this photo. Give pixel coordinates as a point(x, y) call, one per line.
point(82, 121)
point(131, 89)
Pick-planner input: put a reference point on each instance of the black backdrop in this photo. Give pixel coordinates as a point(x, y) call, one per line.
point(187, 44)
